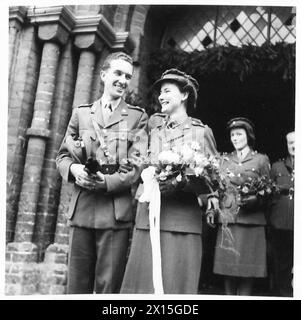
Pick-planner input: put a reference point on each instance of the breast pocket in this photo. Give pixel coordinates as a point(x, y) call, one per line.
point(252, 173)
point(73, 146)
point(118, 144)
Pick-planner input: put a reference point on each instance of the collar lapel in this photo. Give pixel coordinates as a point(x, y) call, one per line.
point(248, 157)
point(96, 113)
point(118, 114)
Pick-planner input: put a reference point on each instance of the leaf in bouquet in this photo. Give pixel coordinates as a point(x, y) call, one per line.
point(261, 193)
point(195, 146)
point(245, 190)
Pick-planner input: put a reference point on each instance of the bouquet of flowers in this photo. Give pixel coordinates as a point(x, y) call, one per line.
point(261, 187)
point(188, 163)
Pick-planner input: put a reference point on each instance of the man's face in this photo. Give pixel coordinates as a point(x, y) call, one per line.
point(290, 138)
point(117, 78)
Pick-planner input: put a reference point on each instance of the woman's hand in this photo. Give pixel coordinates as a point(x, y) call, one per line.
point(210, 218)
point(168, 186)
point(249, 202)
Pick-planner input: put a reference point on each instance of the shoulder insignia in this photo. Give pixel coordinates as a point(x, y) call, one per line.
point(136, 108)
point(197, 122)
point(85, 105)
point(156, 120)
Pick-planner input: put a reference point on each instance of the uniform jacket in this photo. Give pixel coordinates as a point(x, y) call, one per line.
point(282, 207)
point(254, 164)
point(124, 135)
point(180, 212)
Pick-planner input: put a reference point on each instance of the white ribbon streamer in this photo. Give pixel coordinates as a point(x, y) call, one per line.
point(152, 195)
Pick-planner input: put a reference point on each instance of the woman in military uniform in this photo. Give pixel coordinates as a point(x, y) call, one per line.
point(247, 260)
point(181, 215)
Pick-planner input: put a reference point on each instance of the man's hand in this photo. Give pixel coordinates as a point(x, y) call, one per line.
point(126, 167)
point(86, 181)
point(100, 181)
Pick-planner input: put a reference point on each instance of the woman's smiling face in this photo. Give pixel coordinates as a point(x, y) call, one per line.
point(171, 98)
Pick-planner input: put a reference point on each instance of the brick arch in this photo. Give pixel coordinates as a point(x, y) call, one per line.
point(121, 17)
point(136, 26)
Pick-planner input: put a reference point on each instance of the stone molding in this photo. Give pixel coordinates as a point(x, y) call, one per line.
point(89, 31)
point(18, 13)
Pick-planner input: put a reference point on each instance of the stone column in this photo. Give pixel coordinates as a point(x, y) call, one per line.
point(38, 134)
point(54, 33)
point(86, 40)
point(48, 202)
point(16, 20)
point(20, 109)
point(22, 255)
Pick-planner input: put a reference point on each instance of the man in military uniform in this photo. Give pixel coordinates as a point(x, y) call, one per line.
point(100, 212)
point(281, 220)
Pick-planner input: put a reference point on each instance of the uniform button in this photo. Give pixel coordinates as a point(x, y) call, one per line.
point(238, 174)
point(253, 169)
point(240, 164)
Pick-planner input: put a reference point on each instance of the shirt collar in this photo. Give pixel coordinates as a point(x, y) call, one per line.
point(243, 153)
point(114, 103)
point(176, 121)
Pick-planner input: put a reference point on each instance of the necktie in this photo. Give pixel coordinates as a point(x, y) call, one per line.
point(109, 107)
point(107, 111)
point(170, 124)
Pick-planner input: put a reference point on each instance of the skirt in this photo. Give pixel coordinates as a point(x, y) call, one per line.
point(247, 257)
point(181, 263)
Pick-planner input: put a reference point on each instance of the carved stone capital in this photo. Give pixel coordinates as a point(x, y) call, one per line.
point(55, 23)
point(18, 14)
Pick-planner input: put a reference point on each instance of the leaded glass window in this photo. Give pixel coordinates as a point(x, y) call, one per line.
point(201, 27)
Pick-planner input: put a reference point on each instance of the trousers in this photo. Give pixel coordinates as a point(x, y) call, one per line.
point(97, 260)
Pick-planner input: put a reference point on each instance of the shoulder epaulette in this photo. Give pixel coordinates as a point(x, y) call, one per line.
point(158, 114)
point(136, 108)
point(197, 122)
point(85, 105)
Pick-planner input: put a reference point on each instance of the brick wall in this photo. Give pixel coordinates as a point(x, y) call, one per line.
point(20, 109)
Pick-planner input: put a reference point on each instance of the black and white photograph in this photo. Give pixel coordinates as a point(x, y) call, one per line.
point(150, 150)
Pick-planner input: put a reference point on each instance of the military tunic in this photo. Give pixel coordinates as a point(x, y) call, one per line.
point(101, 219)
point(248, 259)
point(281, 226)
point(181, 219)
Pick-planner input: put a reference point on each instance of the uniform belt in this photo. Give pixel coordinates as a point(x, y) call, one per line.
point(109, 168)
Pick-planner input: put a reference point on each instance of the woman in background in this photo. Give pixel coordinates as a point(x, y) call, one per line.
point(247, 260)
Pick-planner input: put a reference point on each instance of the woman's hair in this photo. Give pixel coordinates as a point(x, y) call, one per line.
point(247, 125)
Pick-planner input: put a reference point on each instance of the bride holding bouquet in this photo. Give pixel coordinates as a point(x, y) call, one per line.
point(180, 224)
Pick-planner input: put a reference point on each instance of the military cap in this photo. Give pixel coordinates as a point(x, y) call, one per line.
point(186, 82)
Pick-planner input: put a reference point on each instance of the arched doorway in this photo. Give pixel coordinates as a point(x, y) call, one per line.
point(265, 97)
